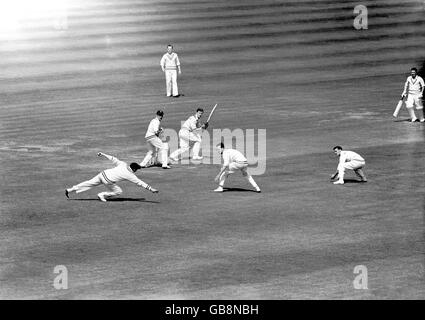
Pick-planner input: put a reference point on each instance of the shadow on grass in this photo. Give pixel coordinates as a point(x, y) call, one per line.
point(352, 181)
point(238, 190)
point(118, 200)
point(403, 120)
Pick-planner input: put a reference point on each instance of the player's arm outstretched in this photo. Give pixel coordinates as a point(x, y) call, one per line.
point(107, 156)
point(133, 178)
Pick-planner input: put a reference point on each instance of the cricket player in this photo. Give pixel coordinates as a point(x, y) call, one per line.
point(348, 160)
point(414, 88)
point(190, 135)
point(232, 160)
point(110, 177)
point(155, 143)
point(170, 64)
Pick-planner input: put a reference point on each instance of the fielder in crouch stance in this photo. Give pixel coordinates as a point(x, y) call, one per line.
point(110, 177)
point(154, 142)
point(348, 160)
point(414, 88)
point(190, 134)
point(232, 160)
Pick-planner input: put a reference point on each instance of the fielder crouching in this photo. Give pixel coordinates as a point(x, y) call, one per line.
point(348, 160)
point(110, 177)
point(154, 142)
point(232, 160)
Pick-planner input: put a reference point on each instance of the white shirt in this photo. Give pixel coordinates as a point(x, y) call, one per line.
point(153, 128)
point(414, 86)
point(191, 124)
point(170, 61)
point(232, 155)
point(121, 172)
point(347, 156)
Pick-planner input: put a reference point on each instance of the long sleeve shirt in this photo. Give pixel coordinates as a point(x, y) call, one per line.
point(414, 86)
point(191, 124)
point(232, 155)
point(121, 172)
point(153, 128)
point(170, 61)
point(347, 156)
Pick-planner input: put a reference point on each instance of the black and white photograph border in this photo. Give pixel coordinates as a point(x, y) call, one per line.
point(290, 130)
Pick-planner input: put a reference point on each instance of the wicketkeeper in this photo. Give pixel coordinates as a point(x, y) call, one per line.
point(154, 142)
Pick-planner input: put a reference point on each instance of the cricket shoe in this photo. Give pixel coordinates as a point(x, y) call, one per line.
point(257, 190)
point(166, 167)
point(101, 197)
point(339, 182)
point(197, 158)
point(422, 120)
point(219, 189)
point(414, 120)
point(67, 193)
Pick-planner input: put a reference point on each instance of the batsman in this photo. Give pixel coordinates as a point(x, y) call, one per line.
point(190, 135)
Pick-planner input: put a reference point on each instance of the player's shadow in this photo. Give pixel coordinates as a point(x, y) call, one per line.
point(119, 200)
point(403, 120)
point(238, 190)
point(352, 181)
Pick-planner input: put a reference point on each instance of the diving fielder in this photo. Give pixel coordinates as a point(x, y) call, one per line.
point(348, 160)
point(190, 135)
point(414, 88)
point(170, 64)
point(110, 177)
point(154, 142)
point(232, 160)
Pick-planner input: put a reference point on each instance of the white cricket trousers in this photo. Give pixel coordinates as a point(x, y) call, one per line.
point(186, 139)
point(412, 101)
point(154, 144)
point(351, 165)
point(114, 190)
point(234, 166)
point(171, 83)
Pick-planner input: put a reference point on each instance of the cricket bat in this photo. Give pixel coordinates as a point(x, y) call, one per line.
point(211, 113)
point(397, 108)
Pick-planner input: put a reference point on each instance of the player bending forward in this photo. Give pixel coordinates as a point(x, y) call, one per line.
point(348, 160)
point(110, 177)
point(154, 142)
point(190, 134)
point(414, 88)
point(232, 160)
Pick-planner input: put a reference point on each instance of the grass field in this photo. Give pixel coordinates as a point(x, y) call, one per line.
point(295, 68)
